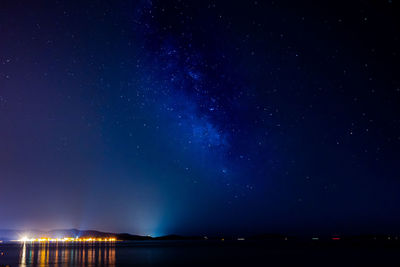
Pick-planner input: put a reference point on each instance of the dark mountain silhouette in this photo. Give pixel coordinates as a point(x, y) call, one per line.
point(59, 233)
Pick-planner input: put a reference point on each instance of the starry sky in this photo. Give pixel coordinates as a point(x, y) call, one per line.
point(200, 117)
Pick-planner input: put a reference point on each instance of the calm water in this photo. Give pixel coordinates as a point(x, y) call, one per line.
point(197, 253)
point(49, 254)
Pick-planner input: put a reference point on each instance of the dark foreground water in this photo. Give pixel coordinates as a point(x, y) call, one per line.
point(201, 253)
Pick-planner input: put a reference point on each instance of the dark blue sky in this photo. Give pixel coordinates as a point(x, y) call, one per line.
point(199, 117)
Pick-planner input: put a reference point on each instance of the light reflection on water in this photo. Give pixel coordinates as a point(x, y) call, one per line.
point(60, 255)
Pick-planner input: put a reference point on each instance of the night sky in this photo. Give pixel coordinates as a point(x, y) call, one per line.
point(200, 117)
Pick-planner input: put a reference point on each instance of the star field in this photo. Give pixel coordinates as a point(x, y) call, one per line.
point(157, 117)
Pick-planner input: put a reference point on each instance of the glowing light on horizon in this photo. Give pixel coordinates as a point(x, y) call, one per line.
point(67, 239)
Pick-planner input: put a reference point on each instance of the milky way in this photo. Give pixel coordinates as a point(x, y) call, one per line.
point(200, 117)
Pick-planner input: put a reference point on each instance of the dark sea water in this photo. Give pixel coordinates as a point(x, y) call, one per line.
point(200, 253)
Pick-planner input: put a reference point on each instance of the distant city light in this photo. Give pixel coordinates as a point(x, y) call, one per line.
point(67, 239)
point(24, 239)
